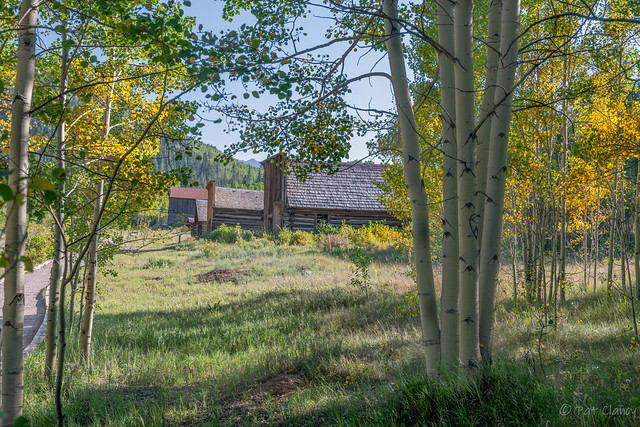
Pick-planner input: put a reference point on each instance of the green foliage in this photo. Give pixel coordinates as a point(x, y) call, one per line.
point(225, 234)
point(296, 238)
point(39, 246)
point(159, 263)
point(361, 258)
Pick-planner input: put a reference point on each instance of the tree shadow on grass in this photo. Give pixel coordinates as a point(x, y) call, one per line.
point(378, 255)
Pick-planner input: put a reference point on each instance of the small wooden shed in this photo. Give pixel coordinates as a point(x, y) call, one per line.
point(182, 204)
point(349, 196)
point(231, 207)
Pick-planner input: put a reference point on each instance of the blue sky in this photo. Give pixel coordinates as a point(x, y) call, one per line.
point(375, 93)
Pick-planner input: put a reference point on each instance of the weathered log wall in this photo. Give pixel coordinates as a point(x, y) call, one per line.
point(248, 219)
point(307, 219)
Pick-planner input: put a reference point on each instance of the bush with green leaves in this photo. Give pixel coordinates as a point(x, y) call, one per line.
point(159, 263)
point(295, 238)
point(361, 257)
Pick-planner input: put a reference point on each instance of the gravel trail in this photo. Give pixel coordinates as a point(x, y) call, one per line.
point(35, 305)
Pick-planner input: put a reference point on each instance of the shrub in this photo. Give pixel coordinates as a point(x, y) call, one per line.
point(159, 263)
point(294, 238)
point(39, 246)
point(361, 258)
point(324, 228)
point(224, 234)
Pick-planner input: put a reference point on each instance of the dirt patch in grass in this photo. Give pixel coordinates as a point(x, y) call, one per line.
point(222, 275)
point(281, 386)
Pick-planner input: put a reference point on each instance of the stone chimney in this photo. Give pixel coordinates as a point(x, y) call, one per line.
point(211, 201)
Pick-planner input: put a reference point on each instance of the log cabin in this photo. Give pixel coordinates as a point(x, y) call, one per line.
point(349, 196)
point(229, 206)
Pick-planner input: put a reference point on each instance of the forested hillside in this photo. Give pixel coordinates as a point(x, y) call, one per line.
point(205, 167)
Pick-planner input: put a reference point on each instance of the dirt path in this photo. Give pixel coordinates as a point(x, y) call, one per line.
point(35, 305)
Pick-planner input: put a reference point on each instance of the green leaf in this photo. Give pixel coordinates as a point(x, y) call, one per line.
point(4, 262)
point(1, 86)
point(19, 198)
point(28, 265)
point(246, 96)
point(255, 94)
point(187, 3)
point(42, 184)
point(59, 173)
point(50, 196)
point(21, 422)
point(6, 193)
point(67, 44)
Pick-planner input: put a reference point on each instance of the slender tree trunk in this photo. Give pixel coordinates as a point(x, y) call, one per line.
point(623, 257)
point(612, 233)
point(415, 188)
point(562, 276)
point(514, 258)
point(486, 109)
point(497, 175)
point(585, 249)
point(636, 232)
point(82, 293)
point(58, 249)
point(16, 227)
point(553, 290)
point(467, 219)
point(72, 297)
point(90, 299)
point(596, 243)
point(62, 338)
point(526, 258)
point(449, 312)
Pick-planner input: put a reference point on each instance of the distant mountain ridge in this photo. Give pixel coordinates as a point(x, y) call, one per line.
point(252, 162)
point(204, 167)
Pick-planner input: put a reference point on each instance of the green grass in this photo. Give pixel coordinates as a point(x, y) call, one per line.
point(173, 349)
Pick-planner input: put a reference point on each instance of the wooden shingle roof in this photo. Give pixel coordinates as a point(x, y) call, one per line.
point(235, 198)
point(351, 188)
point(201, 211)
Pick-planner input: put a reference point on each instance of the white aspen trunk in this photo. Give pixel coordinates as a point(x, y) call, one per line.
point(415, 188)
point(612, 232)
point(596, 242)
point(562, 277)
point(636, 232)
point(16, 226)
point(467, 219)
point(450, 279)
point(54, 281)
point(90, 297)
point(587, 264)
point(497, 175)
point(486, 109)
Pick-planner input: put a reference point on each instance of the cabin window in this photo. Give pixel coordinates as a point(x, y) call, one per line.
point(322, 218)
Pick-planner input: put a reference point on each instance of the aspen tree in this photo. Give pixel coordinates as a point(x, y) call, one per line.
point(449, 312)
point(415, 188)
point(497, 173)
point(16, 229)
point(58, 247)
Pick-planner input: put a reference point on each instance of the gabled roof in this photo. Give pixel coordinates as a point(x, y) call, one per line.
point(235, 198)
point(351, 188)
point(188, 193)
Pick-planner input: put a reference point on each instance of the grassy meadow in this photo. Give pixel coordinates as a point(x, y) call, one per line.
point(276, 331)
